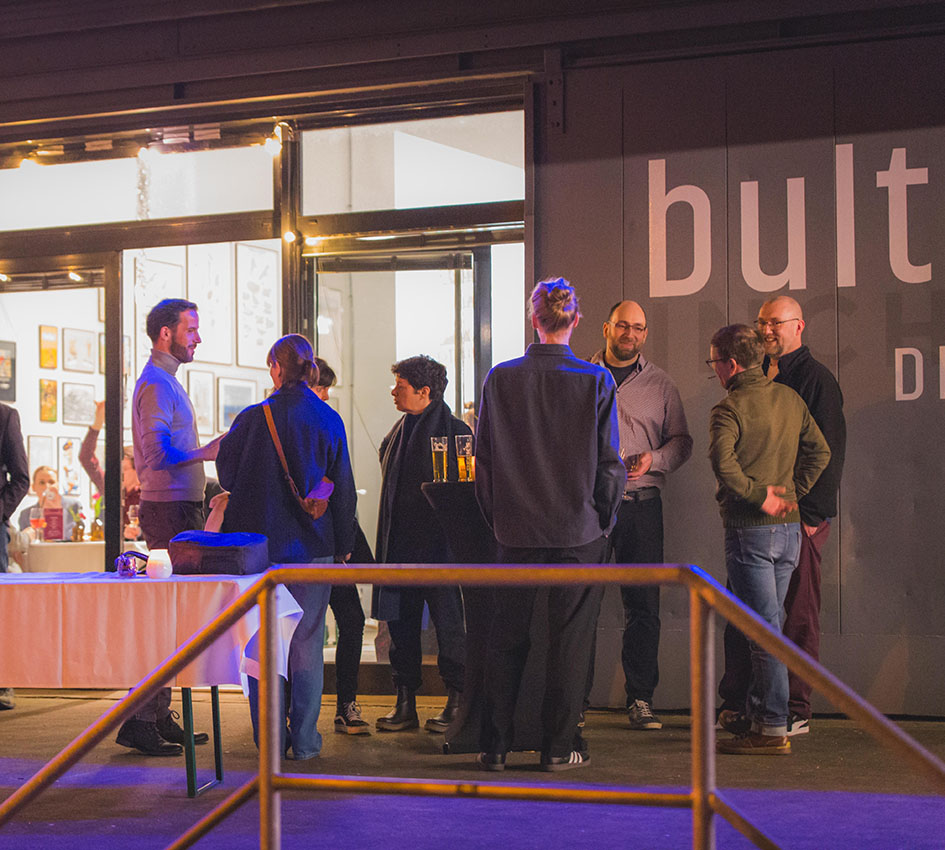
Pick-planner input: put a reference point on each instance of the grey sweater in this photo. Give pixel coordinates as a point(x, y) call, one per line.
point(164, 430)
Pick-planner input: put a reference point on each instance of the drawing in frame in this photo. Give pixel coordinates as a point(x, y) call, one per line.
point(101, 353)
point(78, 350)
point(48, 346)
point(78, 404)
point(330, 328)
point(233, 395)
point(258, 317)
point(7, 371)
point(41, 452)
point(155, 280)
point(210, 287)
point(70, 473)
point(48, 400)
point(200, 390)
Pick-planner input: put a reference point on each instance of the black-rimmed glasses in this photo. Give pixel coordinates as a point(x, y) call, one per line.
point(774, 324)
point(623, 327)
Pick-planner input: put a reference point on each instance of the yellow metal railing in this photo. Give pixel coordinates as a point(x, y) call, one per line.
point(705, 597)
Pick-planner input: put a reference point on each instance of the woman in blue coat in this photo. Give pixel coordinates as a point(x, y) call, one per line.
point(313, 439)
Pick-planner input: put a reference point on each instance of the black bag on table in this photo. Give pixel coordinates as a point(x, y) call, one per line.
point(210, 552)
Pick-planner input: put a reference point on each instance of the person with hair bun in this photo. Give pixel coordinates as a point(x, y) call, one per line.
point(313, 439)
point(549, 480)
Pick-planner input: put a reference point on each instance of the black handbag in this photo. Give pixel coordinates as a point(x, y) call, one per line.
point(209, 553)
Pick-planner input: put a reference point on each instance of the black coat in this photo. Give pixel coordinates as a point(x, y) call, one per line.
point(407, 528)
point(14, 467)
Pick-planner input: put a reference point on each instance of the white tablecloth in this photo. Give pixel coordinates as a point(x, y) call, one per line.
point(61, 557)
point(96, 630)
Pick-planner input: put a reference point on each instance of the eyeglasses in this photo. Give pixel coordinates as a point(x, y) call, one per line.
point(710, 363)
point(623, 327)
point(774, 324)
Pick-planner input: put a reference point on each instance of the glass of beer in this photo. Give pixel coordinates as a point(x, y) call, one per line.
point(464, 457)
point(438, 445)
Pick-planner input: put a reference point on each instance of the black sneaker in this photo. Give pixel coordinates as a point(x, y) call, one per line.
point(144, 737)
point(348, 720)
point(797, 725)
point(170, 730)
point(7, 699)
point(556, 763)
point(641, 716)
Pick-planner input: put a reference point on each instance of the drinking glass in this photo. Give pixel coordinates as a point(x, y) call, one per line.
point(439, 445)
point(464, 457)
point(37, 522)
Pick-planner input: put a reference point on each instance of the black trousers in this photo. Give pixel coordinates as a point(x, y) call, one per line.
point(406, 654)
point(349, 615)
point(160, 521)
point(572, 611)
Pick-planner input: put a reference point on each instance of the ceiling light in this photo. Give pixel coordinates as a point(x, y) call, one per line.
point(290, 236)
point(75, 276)
point(272, 145)
point(4, 278)
point(28, 162)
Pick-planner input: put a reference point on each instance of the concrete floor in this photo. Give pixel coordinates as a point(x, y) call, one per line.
point(837, 790)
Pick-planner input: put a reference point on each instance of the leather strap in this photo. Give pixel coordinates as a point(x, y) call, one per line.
point(278, 444)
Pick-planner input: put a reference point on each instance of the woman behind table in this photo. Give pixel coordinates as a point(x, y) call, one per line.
point(313, 439)
point(549, 480)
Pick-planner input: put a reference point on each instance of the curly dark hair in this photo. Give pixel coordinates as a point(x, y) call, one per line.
point(422, 371)
point(740, 343)
point(166, 314)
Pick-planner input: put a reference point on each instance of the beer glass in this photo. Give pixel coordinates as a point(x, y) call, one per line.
point(464, 457)
point(438, 446)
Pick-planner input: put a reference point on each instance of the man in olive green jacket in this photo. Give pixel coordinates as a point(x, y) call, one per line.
point(766, 452)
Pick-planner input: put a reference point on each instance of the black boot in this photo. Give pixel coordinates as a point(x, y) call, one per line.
point(441, 722)
point(403, 715)
point(143, 736)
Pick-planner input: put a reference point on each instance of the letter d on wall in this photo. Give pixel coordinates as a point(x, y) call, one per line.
point(659, 203)
point(916, 355)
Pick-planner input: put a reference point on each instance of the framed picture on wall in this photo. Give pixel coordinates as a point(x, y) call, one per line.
point(101, 353)
point(210, 286)
point(233, 395)
point(126, 355)
point(200, 390)
point(154, 281)
point(257, 304)
point(48, 347)
point(7, 371)
point(330, 326)
point(78, 350)
point(41, 452)
point(70, 474)
point(48, 400)
point(78, 404)
point(101, 303)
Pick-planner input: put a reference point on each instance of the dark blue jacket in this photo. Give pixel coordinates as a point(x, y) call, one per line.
point(313, 438)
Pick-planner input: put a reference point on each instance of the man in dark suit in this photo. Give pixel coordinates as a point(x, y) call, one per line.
point(14, 484)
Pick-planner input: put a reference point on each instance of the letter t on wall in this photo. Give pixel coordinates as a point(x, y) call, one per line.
point(896, 179)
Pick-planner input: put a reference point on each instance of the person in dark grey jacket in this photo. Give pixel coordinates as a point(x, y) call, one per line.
point(549, 480)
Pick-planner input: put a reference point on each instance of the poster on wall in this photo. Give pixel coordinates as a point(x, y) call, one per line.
point(233, 395)
point(78, 404)
point(48, 347)
point(7, 371)
point(41, 452)
point(210, 287)
point(154, 281)
point(70, 474)
point(78, 350)
point(330, 342)
point(200, 390)
point(257, 303)
point(48, 395)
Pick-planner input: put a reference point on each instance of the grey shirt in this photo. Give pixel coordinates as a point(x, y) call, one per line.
point(164, 430)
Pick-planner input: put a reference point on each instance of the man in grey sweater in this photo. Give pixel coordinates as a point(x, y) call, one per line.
point(169, 461)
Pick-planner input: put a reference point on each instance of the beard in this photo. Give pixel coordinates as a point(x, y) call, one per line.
point(181, 352)
point(623, 351)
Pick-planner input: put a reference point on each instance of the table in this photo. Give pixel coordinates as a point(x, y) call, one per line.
point(98, 630)
point(64, 556)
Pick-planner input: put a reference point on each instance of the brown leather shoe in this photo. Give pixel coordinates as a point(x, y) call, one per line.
point(755, 744)
point(733, 721)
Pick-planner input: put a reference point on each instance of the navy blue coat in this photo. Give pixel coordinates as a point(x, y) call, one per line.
point(313, 438)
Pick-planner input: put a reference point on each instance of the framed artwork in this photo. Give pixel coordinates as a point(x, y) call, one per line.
point(258, 318)
point(233, 395)
point(48, 400)
point(154, 281)
point(78, 404)
point(41, 452)
point(78, 350)
point(101, 303)
point(7, 371)
point(101, 353)
point(70, 475)
point(200, 390)
point(48, 347)
point(330, 325)
point(126, 355)
point(210, 287)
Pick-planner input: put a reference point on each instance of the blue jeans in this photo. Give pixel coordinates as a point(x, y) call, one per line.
point(306, 670)
point(760, 560)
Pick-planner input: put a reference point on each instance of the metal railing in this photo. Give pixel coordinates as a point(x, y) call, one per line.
point(705, 597)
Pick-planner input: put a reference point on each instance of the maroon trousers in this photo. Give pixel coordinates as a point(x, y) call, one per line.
point(801, 625)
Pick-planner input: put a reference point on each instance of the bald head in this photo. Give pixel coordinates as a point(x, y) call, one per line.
point(624, 333)
point(781, 322)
